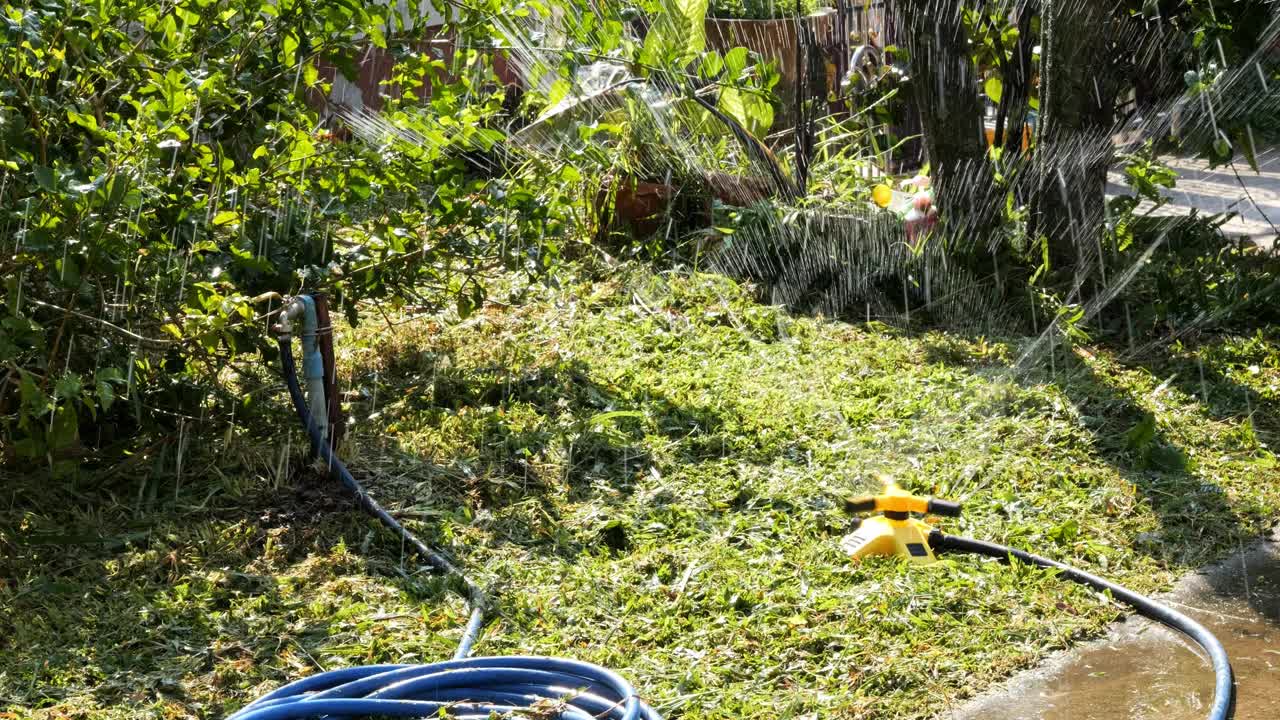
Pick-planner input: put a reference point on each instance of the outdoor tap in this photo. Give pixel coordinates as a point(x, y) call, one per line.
point(304, 307)
point(864, 67)
point(293, 309)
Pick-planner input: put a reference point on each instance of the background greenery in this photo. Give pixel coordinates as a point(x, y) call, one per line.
point(762, 9)
point(643, 459)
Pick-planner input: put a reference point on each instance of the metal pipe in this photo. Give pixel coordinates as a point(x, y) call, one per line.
point(304, 307)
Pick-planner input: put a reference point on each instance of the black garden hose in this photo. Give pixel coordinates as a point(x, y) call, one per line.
point(1224, 691)
point(474, 595)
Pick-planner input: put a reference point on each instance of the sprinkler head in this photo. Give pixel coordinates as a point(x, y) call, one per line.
point(894, 531)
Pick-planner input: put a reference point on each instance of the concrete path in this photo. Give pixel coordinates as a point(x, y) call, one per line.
point(1219, 190)
point(1143, 671)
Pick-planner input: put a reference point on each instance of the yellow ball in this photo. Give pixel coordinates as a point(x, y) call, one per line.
point(881, 195)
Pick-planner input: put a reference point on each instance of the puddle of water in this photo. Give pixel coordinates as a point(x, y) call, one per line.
point(1144, 671)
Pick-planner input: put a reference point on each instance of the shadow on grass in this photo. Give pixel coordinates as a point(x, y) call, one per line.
point(527, 439)
point(1193, 511)
point(105, 611)
point(1196, 516)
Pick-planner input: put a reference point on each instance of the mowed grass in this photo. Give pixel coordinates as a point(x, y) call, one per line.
point(648, 473)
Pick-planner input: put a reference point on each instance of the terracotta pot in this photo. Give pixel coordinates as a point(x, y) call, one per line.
point(637, 204)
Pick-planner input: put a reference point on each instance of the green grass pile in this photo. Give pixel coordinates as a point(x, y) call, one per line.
point(648, 472)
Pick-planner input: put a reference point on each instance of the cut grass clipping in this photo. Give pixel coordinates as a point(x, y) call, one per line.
point(647, 472)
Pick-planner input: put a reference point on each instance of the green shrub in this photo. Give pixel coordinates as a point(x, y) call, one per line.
point(162, 178)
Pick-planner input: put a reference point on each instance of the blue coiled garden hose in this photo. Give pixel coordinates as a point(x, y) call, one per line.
point(470, 689)
point(466, 688)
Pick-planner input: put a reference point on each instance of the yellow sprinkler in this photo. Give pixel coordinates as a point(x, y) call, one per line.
point(895, 532)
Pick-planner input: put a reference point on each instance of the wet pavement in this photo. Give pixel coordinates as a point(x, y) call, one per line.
point(1255, 197)
point(1143, 671)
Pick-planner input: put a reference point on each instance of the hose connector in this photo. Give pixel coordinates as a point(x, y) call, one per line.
point(293, 309)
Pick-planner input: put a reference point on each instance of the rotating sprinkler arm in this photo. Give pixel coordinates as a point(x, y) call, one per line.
point(896, 502)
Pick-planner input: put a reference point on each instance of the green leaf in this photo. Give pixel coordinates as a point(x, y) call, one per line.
point(735, 61)
point(67, 387)
point(994, 88)
point(752, 111)
point(64, 429)
point(45, 177)
point(693, 16)
point(105, 380)
point(68, 271)
point(289, 47)
point(1066, 532)
point(712, 64)
point(1143, 434)
point(87, 122)
point(1222, 148)
point(1244, 141)
point(226, 217)
point(34, 401)
point(678, 34)
point(465, 306)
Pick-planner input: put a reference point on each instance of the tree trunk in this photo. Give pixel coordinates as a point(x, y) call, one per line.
point(1074, 149)
point(945, 89)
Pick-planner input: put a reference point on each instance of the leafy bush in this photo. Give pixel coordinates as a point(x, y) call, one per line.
point(162, 178)
point(657, 126)
point(1192, 276)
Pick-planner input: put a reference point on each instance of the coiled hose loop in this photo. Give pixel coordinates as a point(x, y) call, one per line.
point(471, 689)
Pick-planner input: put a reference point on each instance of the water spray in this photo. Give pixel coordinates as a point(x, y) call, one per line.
point(894, 532)
point(473, 688)
point(863, 249)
